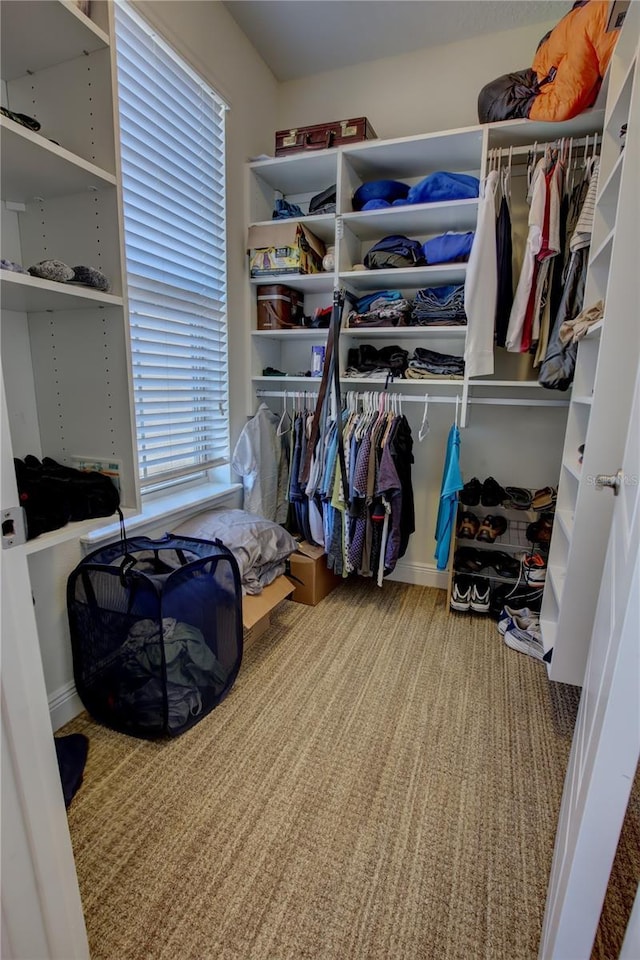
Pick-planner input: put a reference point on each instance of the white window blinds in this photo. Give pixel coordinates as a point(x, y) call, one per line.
point(173, 156)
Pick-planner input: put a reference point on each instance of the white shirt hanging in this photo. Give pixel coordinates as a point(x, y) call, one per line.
point(481, 285)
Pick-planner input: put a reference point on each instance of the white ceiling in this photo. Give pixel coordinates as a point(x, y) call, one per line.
point(298, 38)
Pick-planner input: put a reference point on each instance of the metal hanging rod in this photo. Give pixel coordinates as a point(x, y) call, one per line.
point(495, 401)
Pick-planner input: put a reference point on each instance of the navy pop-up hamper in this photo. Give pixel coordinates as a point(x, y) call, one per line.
point(156, 632)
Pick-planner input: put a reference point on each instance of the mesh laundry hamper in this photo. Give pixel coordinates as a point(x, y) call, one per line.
point(156, 632)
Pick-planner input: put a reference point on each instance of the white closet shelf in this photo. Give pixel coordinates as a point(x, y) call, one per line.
point(415, 157)
point(304, 282)
point(573, 468)
point(405, 333)
point(21, 291)
point(299, 173)
point(549, 630)
point(610, 189)
point(322, 225)
point(458, 215)
point(587, 401)
point(379, 384)
point(50, 31)
point(72, 531)
point(304, 333)
point(32, 166)
point(556, 577)
point(565, 519)
point(310, 381)
point(406, 278)
point(528, 384)
point(618, 108)
point(603, 251)
point(595, 330)
point(516, 133)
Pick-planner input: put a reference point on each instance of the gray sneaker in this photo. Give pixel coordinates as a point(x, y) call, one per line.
point(525, 641)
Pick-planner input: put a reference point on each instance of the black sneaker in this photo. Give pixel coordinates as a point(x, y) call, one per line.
point(470, 493)
point(492, 494)
point(461, 594)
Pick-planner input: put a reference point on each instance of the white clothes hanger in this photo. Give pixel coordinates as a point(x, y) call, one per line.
point(424, 426)
point(280, 431)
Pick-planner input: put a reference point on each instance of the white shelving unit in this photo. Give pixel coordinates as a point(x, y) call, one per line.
point(606, 366)
point(65, 346)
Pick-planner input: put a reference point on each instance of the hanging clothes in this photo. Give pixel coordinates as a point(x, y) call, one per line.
point(556, 372)
point(481, 285)
point(451, 485)
point(527, 277)
point(258, 459)
point(504, 258)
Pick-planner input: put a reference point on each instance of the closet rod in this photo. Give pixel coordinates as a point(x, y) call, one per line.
point(495, 401)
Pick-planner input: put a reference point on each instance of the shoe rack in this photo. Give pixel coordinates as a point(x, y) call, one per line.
point(513, 543)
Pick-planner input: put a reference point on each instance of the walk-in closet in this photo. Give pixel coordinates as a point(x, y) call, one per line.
point(339, 301)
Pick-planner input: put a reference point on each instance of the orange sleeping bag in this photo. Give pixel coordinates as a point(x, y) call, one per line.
point(578, 49)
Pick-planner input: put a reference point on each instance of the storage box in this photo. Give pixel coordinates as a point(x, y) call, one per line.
point(279, 307)
point(316, 580)
point(284, 247)
point(321, 136)
point(257, 610)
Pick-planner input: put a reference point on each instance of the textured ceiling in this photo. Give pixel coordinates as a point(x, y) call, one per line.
point(297, 38)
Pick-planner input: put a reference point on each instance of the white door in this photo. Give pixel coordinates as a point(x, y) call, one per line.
point(41, 908)
point(606, 742)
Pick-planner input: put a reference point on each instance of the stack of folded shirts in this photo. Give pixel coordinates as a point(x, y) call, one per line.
point(427, 364)
point(384, 308)
point(443, 306)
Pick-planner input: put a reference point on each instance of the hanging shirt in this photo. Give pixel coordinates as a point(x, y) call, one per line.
point(451, 484)
point(527, 273)
point(481, 285)
point(256, 457)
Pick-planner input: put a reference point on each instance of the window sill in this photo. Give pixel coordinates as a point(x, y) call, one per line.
point(176, 506)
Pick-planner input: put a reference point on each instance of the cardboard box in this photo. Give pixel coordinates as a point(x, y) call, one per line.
point(257, 610)
point(316, 581)
point(284, 247)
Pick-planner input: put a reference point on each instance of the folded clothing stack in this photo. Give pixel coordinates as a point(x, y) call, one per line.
point(443, 306)
point(386, 308)
point(426, 364)
point(367, 361)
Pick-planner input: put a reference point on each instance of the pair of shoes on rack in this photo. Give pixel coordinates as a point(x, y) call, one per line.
point(544, 499)
point(486, 529)
point(534, 567)
point(470, 560)
point(540, 531)
point(489, 493)
point(470, 593)
point(521, 632)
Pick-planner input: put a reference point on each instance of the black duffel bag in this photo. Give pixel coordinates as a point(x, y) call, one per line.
point(52, 494)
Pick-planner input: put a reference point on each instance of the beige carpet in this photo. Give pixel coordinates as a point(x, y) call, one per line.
point(382, 783)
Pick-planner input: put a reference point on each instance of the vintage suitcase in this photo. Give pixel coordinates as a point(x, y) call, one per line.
point(279, 307)
point(320, 136)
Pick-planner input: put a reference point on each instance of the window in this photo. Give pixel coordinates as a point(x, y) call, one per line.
point(173, 152)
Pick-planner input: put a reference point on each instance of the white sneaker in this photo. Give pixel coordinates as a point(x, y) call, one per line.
point(525, 641)
point(525, 616)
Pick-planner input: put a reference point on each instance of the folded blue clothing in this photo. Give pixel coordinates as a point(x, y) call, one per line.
point(378, 204)
point(363, 304)
point(448, 247)
point(285, 210)
point(440, 296)
point(442, 186)
point(388, 190)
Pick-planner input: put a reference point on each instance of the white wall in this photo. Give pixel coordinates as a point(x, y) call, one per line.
point(432, 89)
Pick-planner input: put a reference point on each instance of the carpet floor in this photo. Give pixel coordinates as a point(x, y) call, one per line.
point(382, 783)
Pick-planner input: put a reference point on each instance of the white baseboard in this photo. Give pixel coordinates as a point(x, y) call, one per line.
point(420, 574)
point(64, 705)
